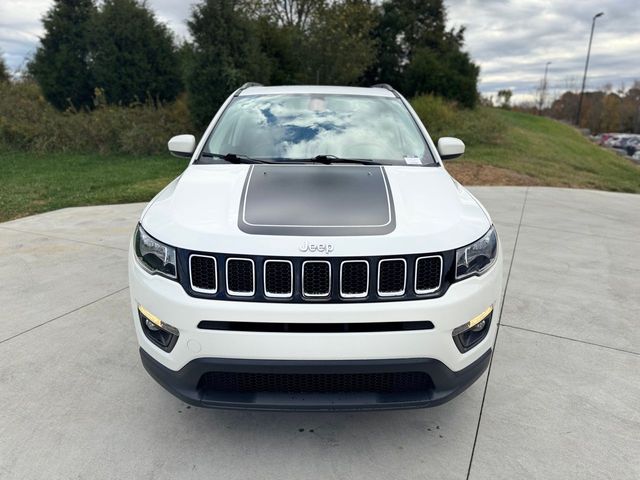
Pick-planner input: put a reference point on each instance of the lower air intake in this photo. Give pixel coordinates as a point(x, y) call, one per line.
point(384, 382)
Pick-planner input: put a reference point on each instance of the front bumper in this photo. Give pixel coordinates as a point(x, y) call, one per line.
point(198, 351)
point(187, 384)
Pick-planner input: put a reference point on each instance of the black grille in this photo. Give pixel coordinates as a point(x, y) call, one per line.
point(316, 279)
point(278, 278)
point(240, 277)
point(428, 274)
point(203, 273)
point(260, 278)
point(354, 278)
point(392, 277)
point(384, 382)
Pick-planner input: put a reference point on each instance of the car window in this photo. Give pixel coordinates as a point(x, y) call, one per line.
point(301, 126)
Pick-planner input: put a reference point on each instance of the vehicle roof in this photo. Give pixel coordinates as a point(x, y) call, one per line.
point(317, 89)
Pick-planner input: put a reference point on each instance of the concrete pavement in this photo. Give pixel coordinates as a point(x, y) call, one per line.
point(561, 399)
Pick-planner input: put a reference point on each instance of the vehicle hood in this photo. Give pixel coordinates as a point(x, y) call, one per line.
point(282, 210)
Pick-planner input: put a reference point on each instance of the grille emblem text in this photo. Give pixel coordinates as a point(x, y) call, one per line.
point(316, 247)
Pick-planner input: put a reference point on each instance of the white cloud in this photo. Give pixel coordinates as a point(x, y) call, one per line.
point(19, 28)
point(512, 40)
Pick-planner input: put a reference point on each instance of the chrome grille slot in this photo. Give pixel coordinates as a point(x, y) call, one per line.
point(278, 278)
point(428, 274)
point(240, 277)
point(392, 277)
point(203, 273)
point(316, 278)
point(354, 278)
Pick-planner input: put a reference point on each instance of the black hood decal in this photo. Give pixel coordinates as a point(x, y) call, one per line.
point(316, 200)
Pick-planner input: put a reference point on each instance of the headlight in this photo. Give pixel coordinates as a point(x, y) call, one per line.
point(155, 256)
point(477, 258)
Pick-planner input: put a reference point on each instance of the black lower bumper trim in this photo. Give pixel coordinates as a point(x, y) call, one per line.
point(279, 327)
point(193, 384)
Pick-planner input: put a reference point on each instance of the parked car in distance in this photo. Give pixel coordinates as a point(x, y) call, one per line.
point(315, 255)
point(603, 137)
point(632, 145)
point(614, 141)
point(623, 143)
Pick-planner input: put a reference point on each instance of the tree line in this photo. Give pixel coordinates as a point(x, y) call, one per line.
point(602, 110)
point(119, 51)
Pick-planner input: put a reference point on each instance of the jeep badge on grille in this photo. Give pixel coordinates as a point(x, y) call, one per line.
point(316, 247)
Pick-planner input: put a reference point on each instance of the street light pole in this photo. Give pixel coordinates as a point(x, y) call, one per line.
point(586, 67)
point(543, 90)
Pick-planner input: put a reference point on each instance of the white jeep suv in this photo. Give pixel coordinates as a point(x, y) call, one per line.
point(315, 255)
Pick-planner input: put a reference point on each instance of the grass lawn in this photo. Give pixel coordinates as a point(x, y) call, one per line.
point(528, 150)
point(31, 183)
point(539, 151)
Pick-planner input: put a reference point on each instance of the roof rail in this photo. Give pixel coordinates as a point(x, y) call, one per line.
point(386, 86)
point(247, 85)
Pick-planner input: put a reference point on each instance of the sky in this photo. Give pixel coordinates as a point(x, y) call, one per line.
point(511, 40)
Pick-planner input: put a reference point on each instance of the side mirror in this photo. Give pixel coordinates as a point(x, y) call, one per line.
point(450, 148)
point(182, 145)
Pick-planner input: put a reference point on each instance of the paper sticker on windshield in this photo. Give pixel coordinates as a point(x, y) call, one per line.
point(412, 161)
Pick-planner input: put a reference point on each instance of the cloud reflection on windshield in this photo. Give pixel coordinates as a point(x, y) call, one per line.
point(303, 126)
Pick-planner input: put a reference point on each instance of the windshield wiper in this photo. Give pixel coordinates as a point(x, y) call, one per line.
point(234, 158)
point(329, 159)
point(323, 159)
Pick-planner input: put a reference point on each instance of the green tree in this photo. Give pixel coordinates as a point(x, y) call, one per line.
point(630, 109)
point(339, 47)
point(314, 41)
point(133, 55)
point(418, 54)
point(4, 71)
point(611, 113)
point(283, 32)
point(296, 14)
point(505, 98)
point(281, 46)
point(185, 59)
point(226, 53)
point(449, 73)
point(61, 62)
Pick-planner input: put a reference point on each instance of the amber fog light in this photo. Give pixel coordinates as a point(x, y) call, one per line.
point(473, 332)
point(161, 334)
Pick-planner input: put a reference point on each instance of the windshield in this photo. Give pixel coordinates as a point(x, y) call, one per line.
point(301, 127)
